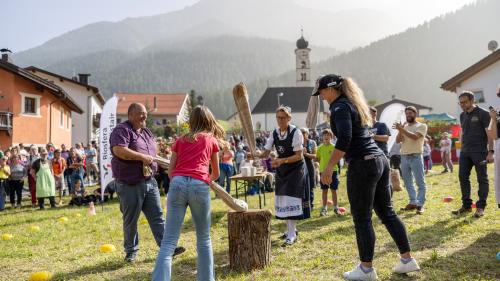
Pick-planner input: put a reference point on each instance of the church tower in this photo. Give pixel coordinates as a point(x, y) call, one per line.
point(303, 63)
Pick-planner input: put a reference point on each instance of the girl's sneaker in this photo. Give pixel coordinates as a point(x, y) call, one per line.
point(358, 274)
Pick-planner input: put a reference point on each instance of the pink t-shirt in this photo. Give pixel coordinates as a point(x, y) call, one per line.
point(193, 159)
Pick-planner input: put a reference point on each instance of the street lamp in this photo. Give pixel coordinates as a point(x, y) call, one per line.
point(279, 95)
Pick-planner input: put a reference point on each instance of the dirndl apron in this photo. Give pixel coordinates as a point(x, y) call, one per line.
point(292, 201)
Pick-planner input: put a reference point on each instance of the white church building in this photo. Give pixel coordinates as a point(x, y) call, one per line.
point(297, 98)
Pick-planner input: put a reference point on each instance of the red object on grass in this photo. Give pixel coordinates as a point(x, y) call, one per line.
point(342, 209)
point(447, 199)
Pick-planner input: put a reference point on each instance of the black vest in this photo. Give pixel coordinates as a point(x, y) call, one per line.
point(284, 147)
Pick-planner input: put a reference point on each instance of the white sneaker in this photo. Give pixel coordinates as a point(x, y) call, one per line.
point(358, 274)
point(411, 266)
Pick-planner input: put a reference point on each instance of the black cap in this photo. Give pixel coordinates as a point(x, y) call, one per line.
point(326, 81)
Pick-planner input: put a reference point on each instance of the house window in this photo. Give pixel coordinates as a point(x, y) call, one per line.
point(61, 118)
point(164, 121)
point(478, 96)
point(303, 77)
point(30, 104)
point(68, 115)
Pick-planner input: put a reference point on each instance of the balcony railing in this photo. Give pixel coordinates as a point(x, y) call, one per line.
point(6, 121)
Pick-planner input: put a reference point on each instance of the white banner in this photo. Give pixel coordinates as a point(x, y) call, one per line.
point(107, 124)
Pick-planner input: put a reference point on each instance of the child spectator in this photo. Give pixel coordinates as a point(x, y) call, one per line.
point(324, 153)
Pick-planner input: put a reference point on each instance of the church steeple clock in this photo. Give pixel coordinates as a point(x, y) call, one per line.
point(303, 63)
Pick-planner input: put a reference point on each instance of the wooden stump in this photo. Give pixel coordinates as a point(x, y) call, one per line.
point(249, 239)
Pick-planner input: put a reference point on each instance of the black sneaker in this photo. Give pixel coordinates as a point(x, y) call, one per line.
point(178, 251)
point(461, 211)
point(130, 257)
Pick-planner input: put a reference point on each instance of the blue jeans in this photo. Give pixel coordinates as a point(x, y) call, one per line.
point(412, 166)
point(184, 192)
point(143, 196)
point(226, 172)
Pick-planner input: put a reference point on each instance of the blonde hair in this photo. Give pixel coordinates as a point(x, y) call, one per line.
point(202, 120)
point(355, 95)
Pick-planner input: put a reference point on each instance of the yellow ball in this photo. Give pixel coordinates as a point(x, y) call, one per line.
point(107, 248)
point(62, 219)
point(40, 276)
point(34, 228)
point(143, 221)
point(7, 236)
point(77, 215)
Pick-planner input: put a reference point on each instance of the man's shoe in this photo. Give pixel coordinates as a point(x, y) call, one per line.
point(444, 172)
point(410, 266)
point(409, 207)
point(479, 213)
point(130, 257)
point(178, 251)
point(420, 210)
point(358, 274)
point(461, 211)
point(323, 212)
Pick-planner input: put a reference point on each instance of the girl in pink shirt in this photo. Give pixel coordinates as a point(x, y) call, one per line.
point(189, 174)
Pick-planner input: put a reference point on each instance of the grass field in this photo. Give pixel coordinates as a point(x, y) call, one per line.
point(447, 247)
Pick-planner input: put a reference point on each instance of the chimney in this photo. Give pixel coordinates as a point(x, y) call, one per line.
point(83, 78)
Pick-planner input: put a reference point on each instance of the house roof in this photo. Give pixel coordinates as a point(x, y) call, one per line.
point(380, 107)
point(297, 98)
point(94, 89)
point(51, 87)
point(455, 81)
point(166, 103)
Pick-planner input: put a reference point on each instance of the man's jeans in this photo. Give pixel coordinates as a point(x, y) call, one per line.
point(412, 166)
point(466, 162)
point(184, 192)
point(368, 187)
point(143, 196)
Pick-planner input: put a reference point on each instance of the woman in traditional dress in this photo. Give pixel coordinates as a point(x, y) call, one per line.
point(292, 182)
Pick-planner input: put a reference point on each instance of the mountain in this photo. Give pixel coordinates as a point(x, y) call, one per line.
point(271, 19)
point(413, 64)
point(208, 66)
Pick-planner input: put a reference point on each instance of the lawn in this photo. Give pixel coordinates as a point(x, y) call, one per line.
point(447, 247)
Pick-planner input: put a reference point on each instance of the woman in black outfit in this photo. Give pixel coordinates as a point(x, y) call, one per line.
point(367, 175)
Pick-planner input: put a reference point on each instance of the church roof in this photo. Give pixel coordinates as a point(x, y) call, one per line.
point(297, 98)
point(302, 43)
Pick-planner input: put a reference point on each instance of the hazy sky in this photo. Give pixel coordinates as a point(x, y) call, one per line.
point(29, 23)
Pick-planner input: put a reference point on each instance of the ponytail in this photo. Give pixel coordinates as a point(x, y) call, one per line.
point(355, 95)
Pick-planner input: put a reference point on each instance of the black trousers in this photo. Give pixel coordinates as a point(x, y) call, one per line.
point(466, 162)
point(368, 188)
point(16, 189)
